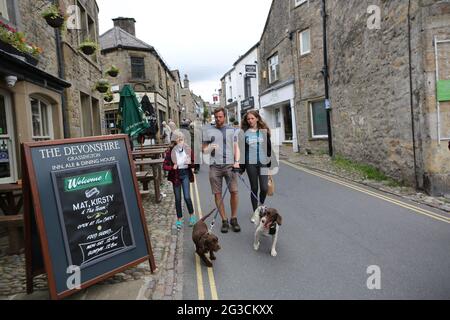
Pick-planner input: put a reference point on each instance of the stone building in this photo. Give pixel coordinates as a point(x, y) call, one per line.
point(176, 111)
point(189, 106)
point(306, 37)
point(141, 66)
point(48, 96)
point(385, 59)
point(276, 79)
point(84, 103)
point(383, 88)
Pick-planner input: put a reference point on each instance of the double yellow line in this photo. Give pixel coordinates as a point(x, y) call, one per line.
point(198, 266)
point(374, 194)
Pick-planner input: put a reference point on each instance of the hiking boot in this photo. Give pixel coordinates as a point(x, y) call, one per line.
point(225, 226)
point(234, 225)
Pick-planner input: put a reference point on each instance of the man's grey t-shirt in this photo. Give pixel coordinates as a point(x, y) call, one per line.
point(224, 137)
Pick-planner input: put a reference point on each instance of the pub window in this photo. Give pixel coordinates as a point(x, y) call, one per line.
point(318, 119)
point(111, 121)
point(41, 120)
point(137, 68)
point(274, 68)
point(7, 11)
point(86, 115)
point(84, 32)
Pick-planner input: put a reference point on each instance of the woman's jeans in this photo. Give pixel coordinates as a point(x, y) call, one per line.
point(255, 177)
point(184, 177)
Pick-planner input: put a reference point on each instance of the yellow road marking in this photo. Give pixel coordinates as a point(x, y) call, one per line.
point(374, 194)
point(198, 268)
point(212, 282)
point(200, 291)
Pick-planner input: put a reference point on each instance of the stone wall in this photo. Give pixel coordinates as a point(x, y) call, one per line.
point(82, 72)
point(433, 19)
point(275, 39)
point(307, 70)
point(384, 109)
point(369, 86)
point(39, 33)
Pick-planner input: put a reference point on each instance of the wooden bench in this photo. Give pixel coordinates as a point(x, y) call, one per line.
point(14, 225)
point(144, 177)
point(156, 174)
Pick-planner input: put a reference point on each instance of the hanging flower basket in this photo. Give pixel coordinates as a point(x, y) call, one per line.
point(55, 22)
point(88, 47)
point(54, 16)
point(102, 86)
point(113, 72)
point(108, 97)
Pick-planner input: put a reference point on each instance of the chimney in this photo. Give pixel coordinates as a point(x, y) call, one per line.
point(127, 24)
point(186, 81)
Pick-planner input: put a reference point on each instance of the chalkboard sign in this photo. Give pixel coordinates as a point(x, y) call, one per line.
point(86, 209)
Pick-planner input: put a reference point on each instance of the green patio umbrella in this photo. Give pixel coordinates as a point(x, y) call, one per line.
point(131, 119)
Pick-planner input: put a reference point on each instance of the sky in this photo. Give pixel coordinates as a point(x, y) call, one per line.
point(200, 38)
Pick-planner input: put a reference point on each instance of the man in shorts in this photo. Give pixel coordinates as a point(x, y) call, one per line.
point(221, 142)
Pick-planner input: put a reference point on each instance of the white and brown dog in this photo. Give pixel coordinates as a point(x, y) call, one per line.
point(268, 222)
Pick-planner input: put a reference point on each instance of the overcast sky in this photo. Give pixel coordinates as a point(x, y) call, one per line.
point(201, 38)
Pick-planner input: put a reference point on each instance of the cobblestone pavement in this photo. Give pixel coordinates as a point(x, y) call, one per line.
point(322, 162)
point(165, 284)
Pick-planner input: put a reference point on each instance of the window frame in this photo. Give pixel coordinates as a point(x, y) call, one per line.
point(300, 37)
point(134, 64)
point(277, 68)
point(313, 135)
point(49, 118)
point(13, 13)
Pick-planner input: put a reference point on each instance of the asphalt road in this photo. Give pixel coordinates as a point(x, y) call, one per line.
point(331, 234)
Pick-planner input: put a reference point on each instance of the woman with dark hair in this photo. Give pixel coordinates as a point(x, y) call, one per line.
point(258, 153)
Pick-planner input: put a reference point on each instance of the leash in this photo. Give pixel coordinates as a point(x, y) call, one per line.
point(249, 189)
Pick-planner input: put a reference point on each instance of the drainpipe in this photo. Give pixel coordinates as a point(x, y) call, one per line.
point(411, 96)
point(325, 78)
point(61, 75)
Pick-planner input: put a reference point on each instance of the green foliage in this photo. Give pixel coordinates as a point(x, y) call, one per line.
point(17, 40)
point(368, 171)
point(53, 11)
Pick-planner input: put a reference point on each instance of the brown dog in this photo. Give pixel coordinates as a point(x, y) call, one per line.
point(205, 241)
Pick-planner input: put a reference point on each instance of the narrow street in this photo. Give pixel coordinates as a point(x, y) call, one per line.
point(332, 232)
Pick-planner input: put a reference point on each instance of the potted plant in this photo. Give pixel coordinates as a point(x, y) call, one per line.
point(108, 97)
point(88, 47)
point(15, 43)
point(113, 71)
point(102, 85)
point(54, 16)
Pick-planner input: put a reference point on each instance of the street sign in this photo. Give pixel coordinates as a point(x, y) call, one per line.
point(83, 212)
point(250, 68)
